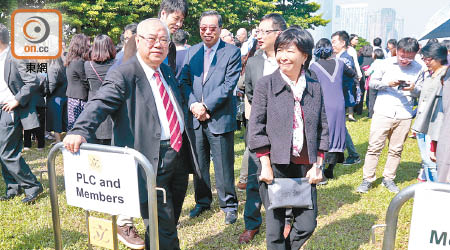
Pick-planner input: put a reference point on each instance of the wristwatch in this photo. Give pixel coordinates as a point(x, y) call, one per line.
point(319, 166)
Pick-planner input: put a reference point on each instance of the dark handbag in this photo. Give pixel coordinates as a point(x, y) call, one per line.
point(289, 193)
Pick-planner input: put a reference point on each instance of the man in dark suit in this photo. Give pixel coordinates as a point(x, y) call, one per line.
point(18, 112)
point(210, 74)
point(262, 64)
point(172, 13)
point(143, 99)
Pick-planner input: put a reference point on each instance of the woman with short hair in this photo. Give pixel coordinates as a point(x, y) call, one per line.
point(77, 85)
point(289, 131)
point(429, 111)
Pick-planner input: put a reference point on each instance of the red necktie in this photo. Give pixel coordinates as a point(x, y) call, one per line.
point(174, 126)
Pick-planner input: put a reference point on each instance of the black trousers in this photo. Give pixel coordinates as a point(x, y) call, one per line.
point(38, 132)
point(15, 171)
point(304, 219)
point(252, 211)
point(181, 179)
point(169, 161)
point(221, 146)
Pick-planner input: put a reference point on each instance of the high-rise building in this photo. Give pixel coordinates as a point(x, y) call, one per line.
point(351, 17)
point(400, 26)
point(385, 25)
point(326, 9)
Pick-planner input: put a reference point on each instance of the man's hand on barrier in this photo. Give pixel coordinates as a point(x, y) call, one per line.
point(73, 142)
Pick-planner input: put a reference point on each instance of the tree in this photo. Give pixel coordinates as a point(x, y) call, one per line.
point(361, 43)
point(8, 6)
point(299, 12)
point(94, 17)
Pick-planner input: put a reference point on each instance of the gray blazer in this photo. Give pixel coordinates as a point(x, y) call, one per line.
point(217, 90)
point(443, 147)
point(429, 111)
point(25, 88)
point(272, 117)
point(127, 96)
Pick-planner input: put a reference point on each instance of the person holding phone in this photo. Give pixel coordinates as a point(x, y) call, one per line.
point(395, 81)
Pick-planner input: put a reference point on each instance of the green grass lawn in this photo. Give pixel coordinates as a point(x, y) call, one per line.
point(344, 222)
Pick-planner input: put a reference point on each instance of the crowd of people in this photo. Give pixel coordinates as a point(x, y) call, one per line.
point(293, 97)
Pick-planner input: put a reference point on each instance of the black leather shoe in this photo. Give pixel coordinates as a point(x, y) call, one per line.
point(197, 211)
point(30, 198)
point(8, 197)
point(230, 217)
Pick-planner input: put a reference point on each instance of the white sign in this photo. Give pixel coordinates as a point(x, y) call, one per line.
point(430, 222)
point(103, 182)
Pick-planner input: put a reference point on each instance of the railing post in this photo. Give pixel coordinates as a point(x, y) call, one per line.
point(150, 172)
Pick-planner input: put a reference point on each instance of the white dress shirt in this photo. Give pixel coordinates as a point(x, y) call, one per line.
point(270, 65)
point(392, 102)
point(165, 129)
point(5, 92)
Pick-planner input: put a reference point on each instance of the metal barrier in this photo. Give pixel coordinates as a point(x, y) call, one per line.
point(151, 186)
point(394, 209)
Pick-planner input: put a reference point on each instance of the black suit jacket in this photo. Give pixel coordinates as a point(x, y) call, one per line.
point(77, 84)
point(172, 57)
point(253, 72)
point(25, 88)
point(126, 95)
point(272, 117)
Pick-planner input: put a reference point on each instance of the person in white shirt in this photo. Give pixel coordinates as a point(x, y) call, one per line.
point(395, 81)
point(377, 45)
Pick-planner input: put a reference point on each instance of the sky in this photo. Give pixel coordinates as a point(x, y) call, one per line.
point(415, 12)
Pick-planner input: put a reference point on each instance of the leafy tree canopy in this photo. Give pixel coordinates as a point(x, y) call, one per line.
point(94, 17)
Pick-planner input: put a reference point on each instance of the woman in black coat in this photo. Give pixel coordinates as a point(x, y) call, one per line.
point(288, 130)
point(56, 98)
point(77, 85)
point(102, 58)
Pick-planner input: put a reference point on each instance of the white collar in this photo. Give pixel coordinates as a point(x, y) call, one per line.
point(264, 55)
point(301, 78)
point(147, 69)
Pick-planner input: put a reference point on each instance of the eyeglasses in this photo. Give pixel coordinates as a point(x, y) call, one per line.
point(404, 58)
point(265, 32)
point(164, 41)
point(211, 28)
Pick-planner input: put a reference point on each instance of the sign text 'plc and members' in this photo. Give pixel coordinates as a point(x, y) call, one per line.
point(98, 195)
point(103, 182)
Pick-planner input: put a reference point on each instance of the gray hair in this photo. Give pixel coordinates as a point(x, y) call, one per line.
point(142, 24)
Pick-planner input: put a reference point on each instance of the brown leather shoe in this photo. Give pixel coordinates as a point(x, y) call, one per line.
point(247, 236)
point(129, 236)
point(287, 230)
